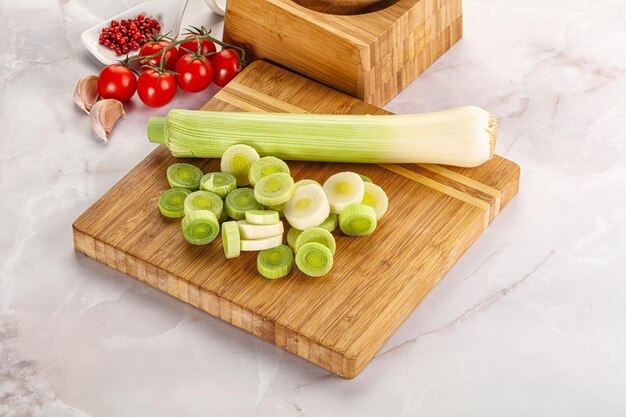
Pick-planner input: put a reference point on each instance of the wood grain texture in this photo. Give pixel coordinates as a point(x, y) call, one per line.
point(370, 56)
point(346, 7)
point(338, 321)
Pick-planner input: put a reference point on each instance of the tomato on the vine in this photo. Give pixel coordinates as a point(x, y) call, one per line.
point(206, 46)
point(226, 65)
point(118, 82)
point(156, 88)
point(170, 56)
point(193, 73)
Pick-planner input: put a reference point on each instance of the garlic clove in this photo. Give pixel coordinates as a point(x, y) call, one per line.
point(86, 92)
point(103, 116)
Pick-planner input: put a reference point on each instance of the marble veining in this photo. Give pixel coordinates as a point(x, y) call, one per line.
point(531, 321)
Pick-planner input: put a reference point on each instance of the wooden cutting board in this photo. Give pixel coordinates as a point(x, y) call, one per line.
point(338, 321)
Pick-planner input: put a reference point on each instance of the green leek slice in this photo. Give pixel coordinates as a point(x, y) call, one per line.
point(343, 189)
point(239, 201)
point(275, 263)
point(365, 178)
point(262, 217)
point(376, 198)
point(265, 166)
point(357, 220)
point(292, 237)
point(200, 227)
point(172, 202)
point(274, 189)
point(252, 245)
point(237, 160)
point(204, 200)
point(219, 183)
point(319, 235)
point(259, 231)
point(280, 209)
point(314, 259)
point(308, 207)
point(184, 176)
point(231, 241)
point(330, 223)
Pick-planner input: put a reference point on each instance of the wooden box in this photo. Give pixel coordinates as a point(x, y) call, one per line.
point(371, 56)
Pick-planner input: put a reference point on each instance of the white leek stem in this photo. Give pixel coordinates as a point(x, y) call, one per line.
point(463, 136)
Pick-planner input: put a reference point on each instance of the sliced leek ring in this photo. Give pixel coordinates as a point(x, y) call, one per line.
point(314, 259)
point(308, 207)
point(239, 201)
point(184, 176)
point(219, 183)
point(278, 209)
point(376, 198)
point(330, 223)
point(343, 189)
point(237, 160)
point(204, 200)
point(275, 263)
point(261, 244)
point(319, 235)
point(231, 241)
point(259, 231)
point(274, 189)
point(200, 227)
point(357, 220)
point(262, 217)
point(172, 202)
point(292, 237)
point(265, 166)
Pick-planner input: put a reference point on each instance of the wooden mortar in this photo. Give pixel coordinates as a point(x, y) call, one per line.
point(372, 55)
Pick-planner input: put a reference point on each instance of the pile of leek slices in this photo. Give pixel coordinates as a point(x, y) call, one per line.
point(250, 218)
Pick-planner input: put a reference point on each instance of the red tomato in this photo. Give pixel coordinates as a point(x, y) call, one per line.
point(155, 89)
point(193, 74)
point(192, 44)
point(151, 48)
point(226, 66)
point(118, 82)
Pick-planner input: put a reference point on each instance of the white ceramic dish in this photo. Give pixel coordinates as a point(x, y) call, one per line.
point(218, 6)
point(167, 12)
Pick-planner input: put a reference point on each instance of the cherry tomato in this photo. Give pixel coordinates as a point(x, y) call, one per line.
point(156, 89)
point(225, 66)
point(151, 48)
point(193, 74)
point(118, 82)
point(207, 46)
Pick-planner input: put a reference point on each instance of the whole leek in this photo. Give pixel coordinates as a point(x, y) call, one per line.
point(463, 136)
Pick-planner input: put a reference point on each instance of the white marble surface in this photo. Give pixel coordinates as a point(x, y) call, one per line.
point(530, 322)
